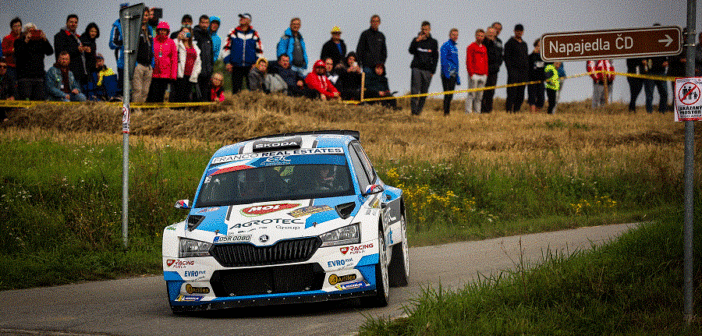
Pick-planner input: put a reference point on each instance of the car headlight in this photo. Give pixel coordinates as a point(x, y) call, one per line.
point(341, 236)
point(193, 248)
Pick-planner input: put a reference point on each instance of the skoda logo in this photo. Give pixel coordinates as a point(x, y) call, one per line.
point(263, 238)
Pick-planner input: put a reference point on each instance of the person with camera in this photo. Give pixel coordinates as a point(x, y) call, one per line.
point(30, 49)
point(426, 57)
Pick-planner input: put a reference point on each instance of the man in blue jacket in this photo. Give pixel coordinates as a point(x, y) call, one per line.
point(449, 68)
point(293, 45)
point(241, 51)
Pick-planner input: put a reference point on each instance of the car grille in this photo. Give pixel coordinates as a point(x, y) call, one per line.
point(237, 255)
point(269, 280)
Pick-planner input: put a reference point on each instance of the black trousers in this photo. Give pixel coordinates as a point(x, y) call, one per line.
point(449, 84)
point(238, 75)
point(488, 95)
point(515, 94)
point(635, 85)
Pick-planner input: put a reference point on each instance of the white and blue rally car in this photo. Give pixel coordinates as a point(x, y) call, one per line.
point(290, 218)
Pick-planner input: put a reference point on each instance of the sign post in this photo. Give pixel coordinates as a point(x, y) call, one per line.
point(615, 43)
point(130, 20)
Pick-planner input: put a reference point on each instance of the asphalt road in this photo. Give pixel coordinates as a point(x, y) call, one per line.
point(138, 306)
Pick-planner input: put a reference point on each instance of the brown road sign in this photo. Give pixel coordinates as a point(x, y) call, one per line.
point(615, 43)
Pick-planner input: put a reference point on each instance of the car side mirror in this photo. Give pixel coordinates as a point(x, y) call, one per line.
point(374, 189)
point(182, 204)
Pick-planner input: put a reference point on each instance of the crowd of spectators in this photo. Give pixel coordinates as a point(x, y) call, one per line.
point(179, 65)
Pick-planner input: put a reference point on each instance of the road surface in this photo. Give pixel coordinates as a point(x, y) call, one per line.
point(138, 306)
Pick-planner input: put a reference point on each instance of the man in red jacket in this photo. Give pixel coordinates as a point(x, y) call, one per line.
point(317, 81)
point(477, 65)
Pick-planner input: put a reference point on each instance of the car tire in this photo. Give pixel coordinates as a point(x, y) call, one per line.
point(382, 281)
point(399, 268)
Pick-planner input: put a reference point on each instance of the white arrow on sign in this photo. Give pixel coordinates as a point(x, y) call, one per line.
point(666, 39)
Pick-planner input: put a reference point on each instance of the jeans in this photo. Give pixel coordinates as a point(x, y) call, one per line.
point(449, 84)
point(475, 98)
point(662, 92)
point(420, 84)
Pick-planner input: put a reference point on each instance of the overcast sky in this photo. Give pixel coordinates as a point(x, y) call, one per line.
point(400, 23)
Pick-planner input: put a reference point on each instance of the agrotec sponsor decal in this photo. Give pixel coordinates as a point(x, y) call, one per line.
point(259, 210)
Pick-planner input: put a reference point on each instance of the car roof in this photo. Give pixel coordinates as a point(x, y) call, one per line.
point(285, 141)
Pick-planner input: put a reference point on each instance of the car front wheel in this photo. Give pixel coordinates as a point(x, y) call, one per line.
point(382, 282)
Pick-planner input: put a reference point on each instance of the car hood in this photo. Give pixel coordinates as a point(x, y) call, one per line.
point(276, 220)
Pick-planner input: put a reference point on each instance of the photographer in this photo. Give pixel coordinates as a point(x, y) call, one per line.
point(30, 49)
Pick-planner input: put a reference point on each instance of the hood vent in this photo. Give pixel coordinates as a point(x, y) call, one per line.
point(344, 210)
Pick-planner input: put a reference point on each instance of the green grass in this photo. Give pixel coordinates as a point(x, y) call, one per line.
point(630, 287)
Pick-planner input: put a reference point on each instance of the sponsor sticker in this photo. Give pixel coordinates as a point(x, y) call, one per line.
point(196, 290)
point(208, 210)
point(353, 285)
point(335, 279)
point(189, 298)
point(276, 161)
point(259, 210)
point(232, 239)
point(193, 274)
point(307, 151)
point(339, 262)
point(309, 210)
point(266, 221)
point(177, 263)
point(356, 249)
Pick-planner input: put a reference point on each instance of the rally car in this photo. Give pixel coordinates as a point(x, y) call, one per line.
point(290, 218)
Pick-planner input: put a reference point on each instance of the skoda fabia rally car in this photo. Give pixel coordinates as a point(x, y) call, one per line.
point(290, 218)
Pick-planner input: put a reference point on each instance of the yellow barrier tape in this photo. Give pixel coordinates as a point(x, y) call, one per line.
point(32, 103)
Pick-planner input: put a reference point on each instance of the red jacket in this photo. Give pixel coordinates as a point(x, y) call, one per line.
point(8, 48)
point(321, 84)
point(165, 58)
point(600, 65)
point(476, 59)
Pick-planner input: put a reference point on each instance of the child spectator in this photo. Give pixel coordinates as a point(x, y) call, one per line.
point(377, 86)
point(553, 84)
point(257, 76)
point(165, 63)
point(106, 87)
point(189, 66)
point(216, 89)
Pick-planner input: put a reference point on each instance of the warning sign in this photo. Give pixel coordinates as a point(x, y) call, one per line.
point(688, 105)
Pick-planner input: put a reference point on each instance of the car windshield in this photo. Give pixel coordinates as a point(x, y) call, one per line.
point(241, 183)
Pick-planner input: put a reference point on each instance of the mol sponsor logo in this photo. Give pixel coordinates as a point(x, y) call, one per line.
point(266, 209)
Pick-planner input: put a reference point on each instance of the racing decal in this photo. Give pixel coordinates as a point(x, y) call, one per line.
point(335, 279)
point(194, 274)
point(353, 285)
point(189, 298)
point(239, 157)
point(295, 142)
point(259, 210)
point(177, 263)
point(266, 221)
point(276, 161)
point(208, 210)
point(309, 210)
point(226, 170)
point(339, 262)
point(356, 249)
point(232, 239)
point(196, 290)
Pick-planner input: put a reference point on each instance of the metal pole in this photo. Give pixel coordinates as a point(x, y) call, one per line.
point(689, 167)
point(125, 137)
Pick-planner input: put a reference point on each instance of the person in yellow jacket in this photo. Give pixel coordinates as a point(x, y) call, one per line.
point(553, 84)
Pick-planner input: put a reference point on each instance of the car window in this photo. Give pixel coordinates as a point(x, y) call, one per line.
point(241, 184)
point(366, 162)
point(363, 179)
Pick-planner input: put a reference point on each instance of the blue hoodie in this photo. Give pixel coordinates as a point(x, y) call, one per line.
point(216, 41)
point(286, 45)
point(449, 60)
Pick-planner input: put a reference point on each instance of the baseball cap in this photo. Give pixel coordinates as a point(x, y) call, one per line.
point(320, 64)
point(245, 15)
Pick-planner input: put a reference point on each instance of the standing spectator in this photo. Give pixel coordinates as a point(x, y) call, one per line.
point(67, 39)
point(493, 44)
point(293, 44)
point(371, 49)
point(536, 73)
point(319, 84)
point(377, 87)
point(8, 45)
point(60, 82)
point(600, 80)
point(7, 88)
point(155, 15)
point(215, 22)
point(141, 79)
point(216, 88)
point(449, 68)
point(30, 49)
point(677, 64)
point(185, 21)
point(189, 66)
point(257, 76)
point(242, 50)
point(477, 65)
point(92, 32)
point(656, 67)
point(335, 48)
point(426, 56)
point(350, 78)
point(116, 44)
point(295, 82)
point(635, 66)
point(517, 62)
point(553, 84)
point(203, 39)
point(165, 69)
